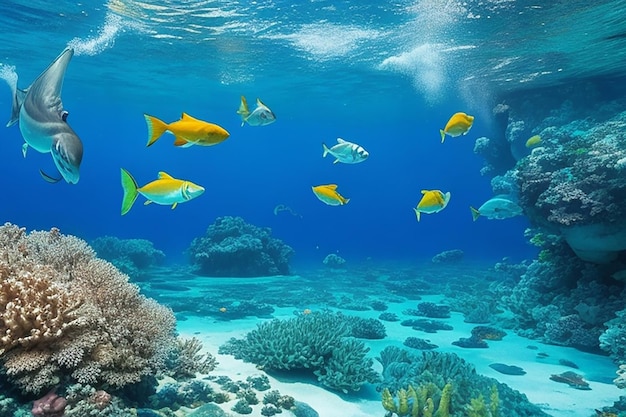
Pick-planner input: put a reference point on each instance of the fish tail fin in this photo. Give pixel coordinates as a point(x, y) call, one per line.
point(156, 128)
point(243, 111)
point(417, 213)
point(326, 150)
point(475, 213)
point(129, 185)
point(443, 135)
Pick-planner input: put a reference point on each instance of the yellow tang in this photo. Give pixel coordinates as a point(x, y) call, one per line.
point(459, 124)
point(328, 194)
point(533, 141)
point(432, 201)
point(187, 131)
point(165, 190)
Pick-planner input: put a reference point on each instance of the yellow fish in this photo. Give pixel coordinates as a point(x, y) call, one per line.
point(328, 194)
point(165, 190)
point(459, 124)
point(187, 131)
point(533, 141)
point(433, 201)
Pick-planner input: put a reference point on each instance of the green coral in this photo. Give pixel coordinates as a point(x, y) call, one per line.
point(418, 402)
point(318, 342)
point(478, 408)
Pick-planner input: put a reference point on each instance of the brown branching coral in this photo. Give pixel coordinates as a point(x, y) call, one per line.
point(33, 308)
point(65, 314)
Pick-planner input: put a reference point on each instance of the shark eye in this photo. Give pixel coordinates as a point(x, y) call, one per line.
point(64, 115)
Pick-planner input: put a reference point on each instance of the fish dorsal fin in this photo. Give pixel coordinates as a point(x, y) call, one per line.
point(339, 140)
point(425, 191)
point(331, 186)
point(178, 141)
point(187, 117)
point(260, 103)
point(243, 107)
point(50, 82)
point(165, 176)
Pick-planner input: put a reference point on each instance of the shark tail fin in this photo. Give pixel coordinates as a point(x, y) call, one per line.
point(156, 128)
point(243, 111)
point(129, 185)
point(475, 213)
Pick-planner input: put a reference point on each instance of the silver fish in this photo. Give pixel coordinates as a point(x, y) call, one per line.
point(261, 116)
point(346, 152)
point(43, 120)
point(499, 207)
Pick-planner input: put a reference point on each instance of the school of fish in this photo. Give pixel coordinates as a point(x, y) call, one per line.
point(43, 123)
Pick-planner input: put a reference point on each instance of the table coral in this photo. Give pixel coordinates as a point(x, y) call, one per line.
point(232, 247)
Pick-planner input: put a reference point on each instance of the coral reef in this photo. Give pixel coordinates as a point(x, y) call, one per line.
point(563, 300)
point(417, 343)
point(419, 401)
point(449, 256)
point(131, 256)
point(574, 183)
point(50, 405)
point(402, 368)
point(232, 247)
point(430, 310)
point(572, 379)
point(318, 341)
point(185, 360)
point(66, 316)
point(333, 261)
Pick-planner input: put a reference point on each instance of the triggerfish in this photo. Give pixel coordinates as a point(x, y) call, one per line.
point(533, 141)
point(187, 131)
point(165, 190)
point(328, 194)
point(459, 124)
point(433, 201)
point(499, 207)
point(260, 116)
point(346, 152)
point(43, 119)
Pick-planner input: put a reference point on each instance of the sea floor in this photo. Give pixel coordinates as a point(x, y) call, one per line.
point(197, 302)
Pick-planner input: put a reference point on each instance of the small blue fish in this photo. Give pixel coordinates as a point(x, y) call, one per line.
point(261, 116)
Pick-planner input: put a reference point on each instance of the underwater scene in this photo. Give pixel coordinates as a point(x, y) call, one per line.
point(316, 208)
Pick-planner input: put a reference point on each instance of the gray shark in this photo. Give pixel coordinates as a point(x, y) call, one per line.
point(43, 120)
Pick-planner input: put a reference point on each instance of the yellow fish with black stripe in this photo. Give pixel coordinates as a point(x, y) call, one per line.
point(328, 194)
point(187, 131)
point(459, 124)
point(166, 190)
point(433, 201)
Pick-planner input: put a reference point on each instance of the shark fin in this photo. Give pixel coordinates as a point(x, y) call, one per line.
point(18, 99)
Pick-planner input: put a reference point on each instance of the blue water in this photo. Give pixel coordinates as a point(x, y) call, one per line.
point(387, 76)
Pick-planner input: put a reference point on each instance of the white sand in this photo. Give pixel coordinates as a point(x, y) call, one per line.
point(556, 399)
